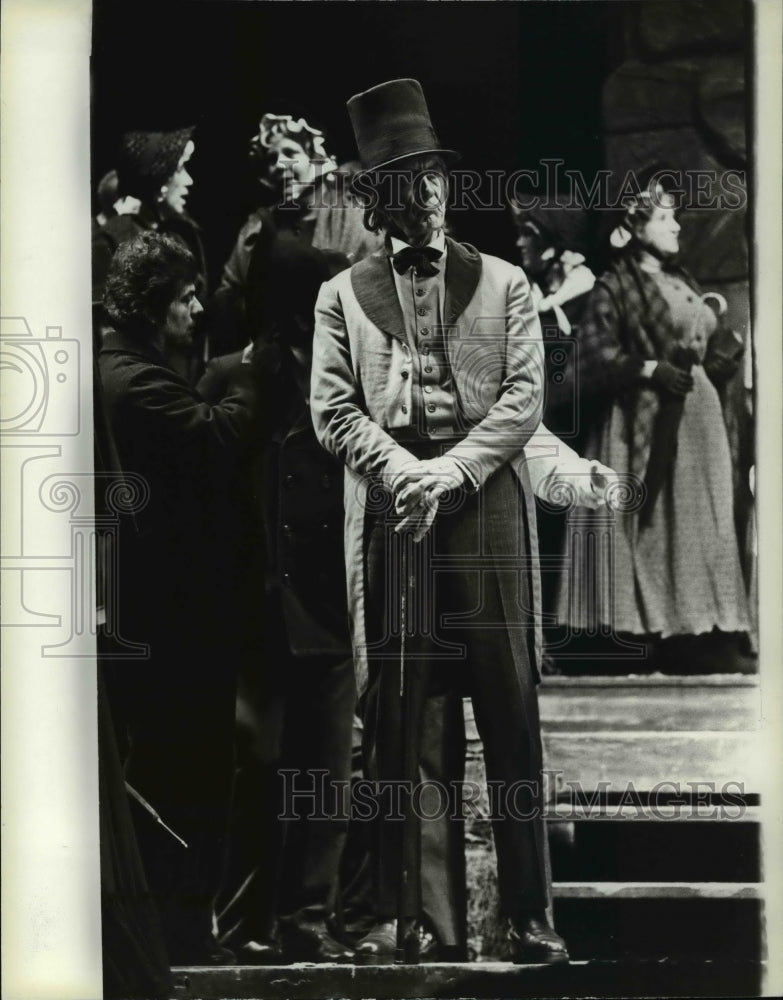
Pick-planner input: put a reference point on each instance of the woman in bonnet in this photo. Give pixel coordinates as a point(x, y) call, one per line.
point(153, 170)
point(303, 197)
point(652, 357)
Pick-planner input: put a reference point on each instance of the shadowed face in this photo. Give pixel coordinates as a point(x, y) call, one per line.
point(418, 199)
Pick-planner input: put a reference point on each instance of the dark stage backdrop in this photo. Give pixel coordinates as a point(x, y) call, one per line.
point(507, 83)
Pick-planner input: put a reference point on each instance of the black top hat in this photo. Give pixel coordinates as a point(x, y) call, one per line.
point(391, 122)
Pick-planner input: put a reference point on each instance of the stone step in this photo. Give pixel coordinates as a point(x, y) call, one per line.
point(674, 764)
point(657, 703)
point(657, 890)
point(499, 980)
point(641, 851)
point(651, 681)
point(727, 762)
point(669, 812)
point(614, 731)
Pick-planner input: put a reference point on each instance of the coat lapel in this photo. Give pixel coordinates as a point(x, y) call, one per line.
point(463, 271)
point(373, 286)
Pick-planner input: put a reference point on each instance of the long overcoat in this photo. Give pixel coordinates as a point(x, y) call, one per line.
point(361, 393)
point(292, 510)
point(177, 559)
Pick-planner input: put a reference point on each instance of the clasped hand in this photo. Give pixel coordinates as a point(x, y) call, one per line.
point(417, 489)
point(673, 380)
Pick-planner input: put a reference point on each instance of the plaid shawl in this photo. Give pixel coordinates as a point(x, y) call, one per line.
point(626, 322)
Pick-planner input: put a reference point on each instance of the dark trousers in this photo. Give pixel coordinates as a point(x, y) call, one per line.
point(135, 962)
point(174, 716)
point(294, 723)
point(443, 889)
point(470, 628)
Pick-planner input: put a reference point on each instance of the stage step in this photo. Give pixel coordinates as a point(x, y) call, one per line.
point(719, 703)
point(498, 980)
point(657, 890)
point(668, 812)
point(652, 806)
point(728, 762)
point(648, 730)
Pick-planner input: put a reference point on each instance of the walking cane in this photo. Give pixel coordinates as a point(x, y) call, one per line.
point(406, 951)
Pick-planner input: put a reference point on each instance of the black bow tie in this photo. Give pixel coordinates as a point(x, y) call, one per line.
point(419, 257)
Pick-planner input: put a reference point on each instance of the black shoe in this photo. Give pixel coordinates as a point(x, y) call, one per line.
point(313, 943)
point(535, 943)
point(204, 951)
point(379, 947)
point(259, 953)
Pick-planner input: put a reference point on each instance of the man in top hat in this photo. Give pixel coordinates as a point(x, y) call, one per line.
point(427, 382)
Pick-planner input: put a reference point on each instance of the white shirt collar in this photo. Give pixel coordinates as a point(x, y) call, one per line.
point(438, 241)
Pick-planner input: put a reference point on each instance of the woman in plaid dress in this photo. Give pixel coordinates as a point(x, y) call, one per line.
point(652, 357)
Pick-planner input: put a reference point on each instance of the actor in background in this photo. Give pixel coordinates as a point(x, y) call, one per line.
point(653, 357)
point(174, 709)
point(428, 383)
point(135, 962)
point(303, 193)
point(297, 690)
point(153, 171)
point(553, 242)
point(108, 202)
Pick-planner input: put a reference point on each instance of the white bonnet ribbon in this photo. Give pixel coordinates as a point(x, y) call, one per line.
point(127, 205)
point(620, 236)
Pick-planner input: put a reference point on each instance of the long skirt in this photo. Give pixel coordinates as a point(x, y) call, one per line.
point(678, 575)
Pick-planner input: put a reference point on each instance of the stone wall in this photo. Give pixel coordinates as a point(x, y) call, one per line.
point(678, 98)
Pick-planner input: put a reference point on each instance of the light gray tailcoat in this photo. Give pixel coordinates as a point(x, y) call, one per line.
point(359, 393)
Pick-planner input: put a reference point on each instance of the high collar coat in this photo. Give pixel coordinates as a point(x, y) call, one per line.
point(360, 389)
